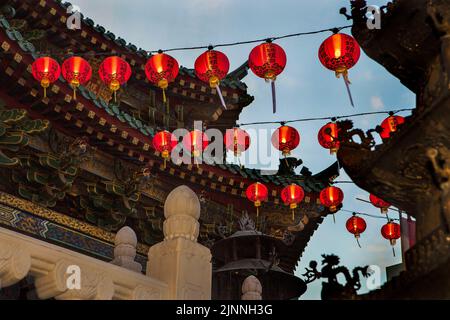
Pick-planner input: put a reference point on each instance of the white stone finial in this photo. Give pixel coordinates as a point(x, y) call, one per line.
point(182, 211)
point(182, 200)
point(251, 289)
point(126, 235)
point(125, 250)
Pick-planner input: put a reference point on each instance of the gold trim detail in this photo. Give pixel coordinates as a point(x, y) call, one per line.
point(59, 218)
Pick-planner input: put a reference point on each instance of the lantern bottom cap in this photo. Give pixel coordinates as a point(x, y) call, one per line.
point(114, 85)
point(163, 84)
point(165, 154)
point(214, 81)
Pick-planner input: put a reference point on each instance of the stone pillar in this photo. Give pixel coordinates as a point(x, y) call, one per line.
point(251, 289)
point(180, 261)
point(125, 250)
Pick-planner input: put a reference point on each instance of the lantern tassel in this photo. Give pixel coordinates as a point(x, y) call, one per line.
point(347, 85)
point(274, 96)
point(165, 164)
point(257, 212)
point(115, 96)
point(357, 241)
point(74, 94)
point(219, 92)
point(164, 96)
point(45, 92)
point(393, 251)
point(334, 218)
point(293, 215)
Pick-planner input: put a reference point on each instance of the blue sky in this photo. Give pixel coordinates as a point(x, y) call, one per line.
point(305, 89)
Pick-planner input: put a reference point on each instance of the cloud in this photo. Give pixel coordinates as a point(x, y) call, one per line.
point(376, 103)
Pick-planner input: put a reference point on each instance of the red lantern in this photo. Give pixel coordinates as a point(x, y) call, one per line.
point(164, 142)
point(390, 125)
point(114, 72)
point(196, 142)
point(237, 140)
point(331, 198)
point(76, 71)
point(286, 139)
point(292, 195)
point(328, 137)
point(45, 70)
point(257, 193)
point(356, 225)
point(379, 203)
point(391, 231)
point(340, 52)
point(161, 69)
point(211, 67)
point(267, 61)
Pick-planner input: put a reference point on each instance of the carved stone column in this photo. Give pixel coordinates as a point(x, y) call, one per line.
point(251, 289)
point(180, 261)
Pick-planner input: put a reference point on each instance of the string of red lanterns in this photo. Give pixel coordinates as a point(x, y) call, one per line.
point(267, 61)
point(339, 52)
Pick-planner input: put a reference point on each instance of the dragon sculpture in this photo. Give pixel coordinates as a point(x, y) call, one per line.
point(333, 290)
